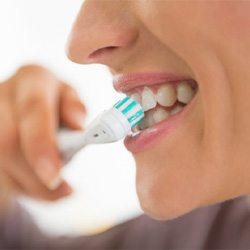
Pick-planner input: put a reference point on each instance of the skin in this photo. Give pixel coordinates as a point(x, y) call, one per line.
point(29, 160)
point(205, 160)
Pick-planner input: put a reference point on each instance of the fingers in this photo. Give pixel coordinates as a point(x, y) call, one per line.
point(35, 106)
point(30, 183)
point(31, 105)
point(18, 179)
point(16, 176)
point(72, 110)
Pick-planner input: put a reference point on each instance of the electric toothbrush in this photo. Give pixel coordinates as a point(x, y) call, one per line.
point(110, 126)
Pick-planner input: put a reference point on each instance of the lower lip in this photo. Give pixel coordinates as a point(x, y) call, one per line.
point(149, 137)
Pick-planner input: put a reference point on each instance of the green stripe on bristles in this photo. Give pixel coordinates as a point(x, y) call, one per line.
point(137, 123)
point(121, 102)
point(136, 115)
point(139, 114)
point(129, 107)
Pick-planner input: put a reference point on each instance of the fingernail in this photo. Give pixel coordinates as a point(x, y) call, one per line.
point(45, 170)
point(55, 183)
point(66, 190)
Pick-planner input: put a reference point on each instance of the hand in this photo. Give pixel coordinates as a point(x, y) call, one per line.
point(32, 104)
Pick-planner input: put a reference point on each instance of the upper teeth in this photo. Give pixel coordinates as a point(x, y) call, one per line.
point(148, 99)
point(167, 96)
point(185, 92)
point(136, 97)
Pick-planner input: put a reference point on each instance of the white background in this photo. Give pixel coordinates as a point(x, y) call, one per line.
point(102, 176)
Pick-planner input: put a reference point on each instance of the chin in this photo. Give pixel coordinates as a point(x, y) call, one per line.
point(163, 207)
point(171, 195)
point(166, 195)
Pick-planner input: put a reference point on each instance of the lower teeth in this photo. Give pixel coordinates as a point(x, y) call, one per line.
point(157, 115)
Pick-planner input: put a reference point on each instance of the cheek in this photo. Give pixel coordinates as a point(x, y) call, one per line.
point(169, 173)
point(182, 173)
point(208, 164)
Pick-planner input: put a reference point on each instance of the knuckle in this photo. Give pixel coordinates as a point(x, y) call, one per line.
point(34, 68)
point(35, 76)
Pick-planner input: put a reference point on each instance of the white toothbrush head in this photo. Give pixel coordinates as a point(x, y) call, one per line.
point(117, 122)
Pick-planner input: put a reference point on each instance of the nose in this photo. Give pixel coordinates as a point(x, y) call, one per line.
point(103, 33)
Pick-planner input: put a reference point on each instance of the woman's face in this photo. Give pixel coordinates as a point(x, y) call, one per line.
point(200, 155)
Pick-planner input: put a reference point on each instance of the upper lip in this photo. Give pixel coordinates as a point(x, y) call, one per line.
point(125, 83)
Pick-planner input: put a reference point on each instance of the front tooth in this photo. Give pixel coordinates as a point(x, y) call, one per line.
point(176, 109)
point(148, 99)
point(185, 92)
point(160, 114)
point(136, 97)
point(166, 95)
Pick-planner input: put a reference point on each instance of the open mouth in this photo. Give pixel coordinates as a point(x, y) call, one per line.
point(164, 100)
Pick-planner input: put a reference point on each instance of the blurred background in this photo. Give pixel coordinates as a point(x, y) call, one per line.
point(35, 31)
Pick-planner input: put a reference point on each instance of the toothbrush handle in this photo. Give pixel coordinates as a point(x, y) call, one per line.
point(69, 143)
point(109, 126)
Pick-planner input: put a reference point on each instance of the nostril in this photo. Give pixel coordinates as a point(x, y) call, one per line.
point(100, 52)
